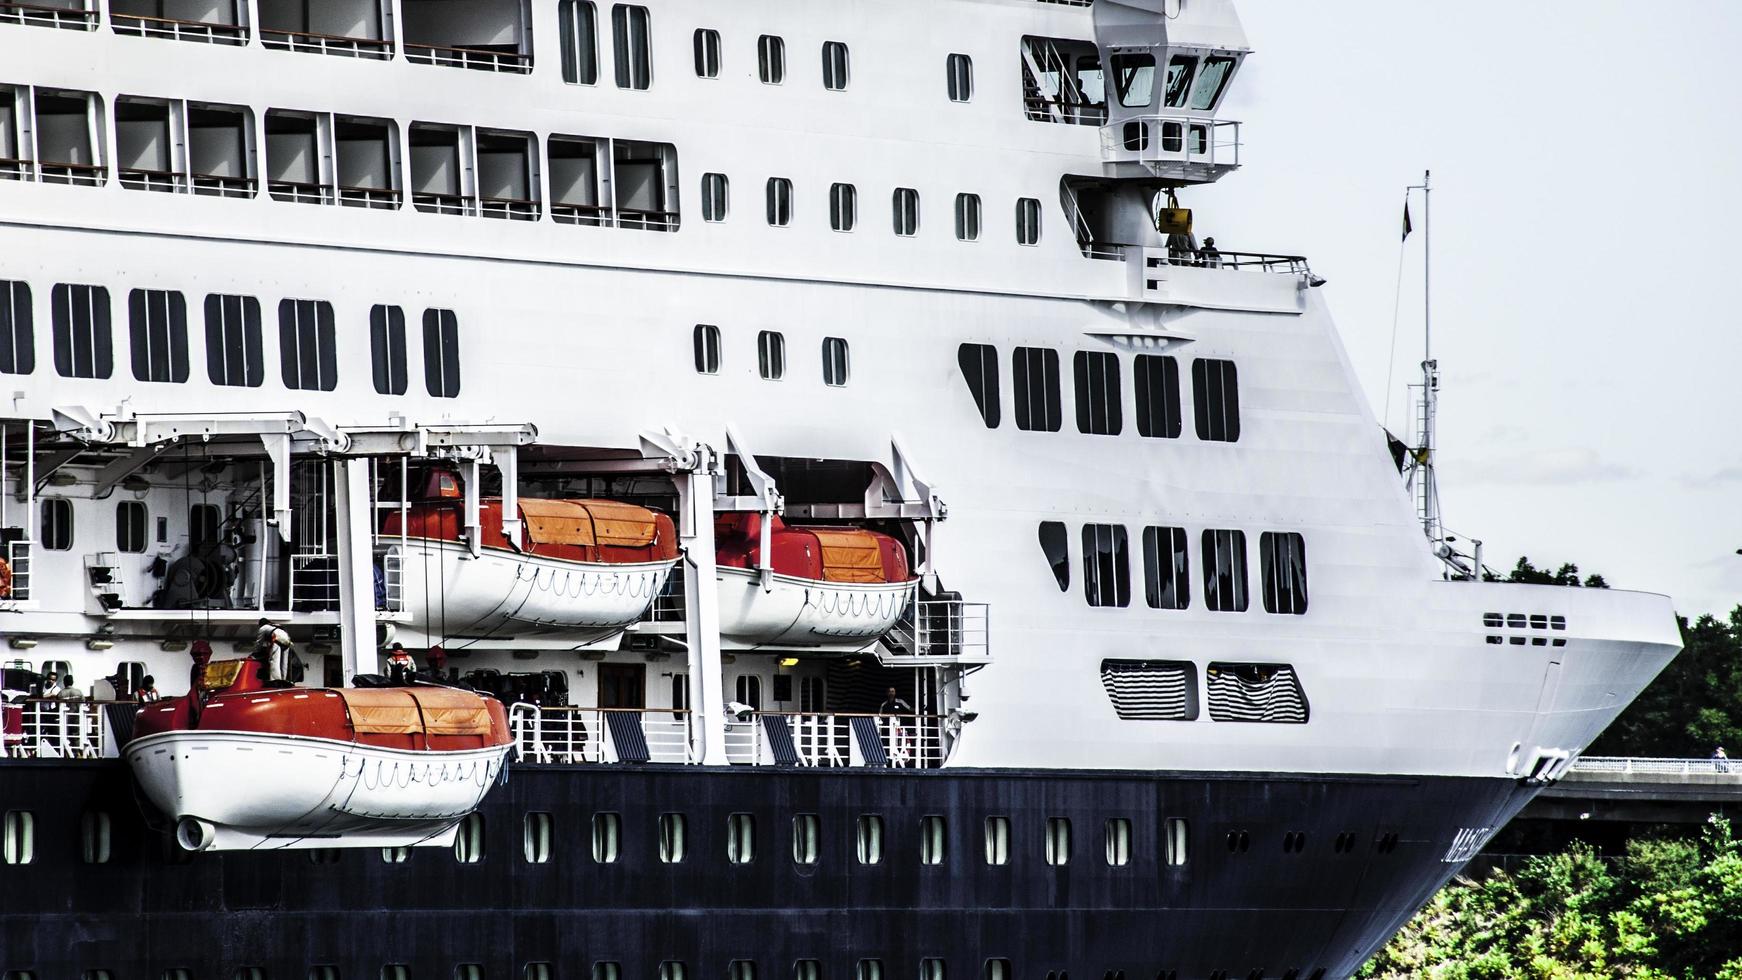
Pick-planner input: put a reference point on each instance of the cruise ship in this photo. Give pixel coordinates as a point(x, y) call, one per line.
point(843, 519)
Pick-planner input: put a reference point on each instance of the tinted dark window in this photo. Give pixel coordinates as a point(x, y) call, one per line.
point(707, 45)
point(157, 322)
point(1027, 221)
point(979, 363)
point(1098, 408)
point(960, 69)
point(82, 344)
point(843, 207)
point(1034, 373)
point(204, 521)
point(771, 355)
point(130, 524)
point(836, 64)
point(233, 351)
point(629, 37)
point(387, 349)
point(17, 329)
point(1166, 568)
point(836, 366)
point(716, 196)
point(1225, 570)
point(1158, 414)
point(1055, 544)
point(1216, 395)
point(1106, 565)
point(779, 202)
point(580, 41)
point(306, 346)
point(905, 205)
point(707, 344)
point(56, 524)
point(1282, 562)
point(441, 353)
point(771, 59)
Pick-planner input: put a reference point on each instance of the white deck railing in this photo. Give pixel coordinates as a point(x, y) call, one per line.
point(1659, 767)
point(826, 740)
point(51, 729)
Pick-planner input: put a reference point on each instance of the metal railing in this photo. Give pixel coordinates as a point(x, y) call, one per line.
point(43, 15)
point(392, 581)
point(374, 198)
point(166, 181)
point(12, 169)
point(297, 192)
point(1214, 259)
point(647, 220)
point(565, 735)
point(18, 555)
point(212, 185)
point(52, 729)
point(1179, 143)
point(943, 629)
point(442, 203)
point(1659, 767)
point(514, 209)
point(314, 582)
point(479, 59)
point(333, 44)
point(84, 174)
point(595, 215)
point(141, 25)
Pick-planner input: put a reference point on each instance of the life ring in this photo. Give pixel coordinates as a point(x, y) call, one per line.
point(5, 580)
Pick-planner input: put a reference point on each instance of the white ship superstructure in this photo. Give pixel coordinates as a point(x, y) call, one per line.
point(924, 268)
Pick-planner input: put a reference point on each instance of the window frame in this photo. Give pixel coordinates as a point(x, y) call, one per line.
point(837, 66)
point(1178, 567)
point(1112, 558)
point(632, 46)
point(837, 362)
point(387, 357)
point(771, 59)
point(868, 834)
point(17, 328)
point(904, 212)
point(959, 77)
point(968, 215)
point(441, 353)
point(706, 341)
point(979, 366)
point(1023, 362)
point(778, 194)
point(157, 320)
point(1229, 544)
point(50, 528)
point(68, 301)
point(122, 526)
point(1099, 393)
point(580, 61)
point(319, 325)
point(706, 43)
point(1289, 568)
point(233, 330)
point(843, 207)
point(716, 197)
point(1028, 221)
point(1215, 376)
point(1148, 372)
point(1055, 546)
point(771, 355)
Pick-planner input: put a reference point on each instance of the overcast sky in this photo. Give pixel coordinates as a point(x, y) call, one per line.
point(1587, 163)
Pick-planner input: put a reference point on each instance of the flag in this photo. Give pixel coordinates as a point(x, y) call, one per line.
point(1408, 226)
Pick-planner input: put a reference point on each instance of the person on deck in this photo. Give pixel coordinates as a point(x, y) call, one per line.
point(437, 661)
point(147, 692)
point(50, 687)
point(400, 666)
point(894, 732)
point(1210, 256)
point(68, 692)
point(893, 705)
point(272, 650)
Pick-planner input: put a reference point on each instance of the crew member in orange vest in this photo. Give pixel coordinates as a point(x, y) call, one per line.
point(400, 666)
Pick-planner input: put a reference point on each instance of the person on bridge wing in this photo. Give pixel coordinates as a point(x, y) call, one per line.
point(400, 666)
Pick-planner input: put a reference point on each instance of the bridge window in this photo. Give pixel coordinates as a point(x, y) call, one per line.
point(869, 839)
point(1034, 373)
point(633, 49)
point(233, 351)
point(707, 344)
point(441, 353)
point(771, 59)
point(1134, 79)
point(968, 217)
point(1158, 414)
point(387, 349)
point(931, 840)
point(82, 343)
point(716, 196)
point(1180, 71)
point(306, 351)
point(1027, 221)
point(835, 363)
point(771, 355)
point(1225, 570)
point(779, 202)
point(578, 30)
point(607, 837)
point(1118, 842)
point(1055, 544)
point(1098, 398)
point(906, 210)
point(1106, 570)
point(17, 329)
point(997, 840)
point(1058, 840)
point(979, 364)
point(1216, 395)
point(835, 66)
point(673, 839)
point(959, 69)
point(131, 526)
point(158, 328)
point(806, 838)
point(1282, 563)
point(741, 838)
point(843, 207)
point(707, 44)
point(1212, 82)
point(1166, 568)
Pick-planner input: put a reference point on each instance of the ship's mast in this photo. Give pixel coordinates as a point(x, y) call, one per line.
point(1421, 477)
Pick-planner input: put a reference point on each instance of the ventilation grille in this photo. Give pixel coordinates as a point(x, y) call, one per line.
point(1152, 690)
point(1256, 692)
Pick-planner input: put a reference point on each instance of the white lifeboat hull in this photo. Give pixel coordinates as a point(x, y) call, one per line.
point(447, 594)
point(800, 613)
point(251, 790)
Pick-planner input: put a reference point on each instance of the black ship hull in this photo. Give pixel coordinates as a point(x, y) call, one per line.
point(1281, 876)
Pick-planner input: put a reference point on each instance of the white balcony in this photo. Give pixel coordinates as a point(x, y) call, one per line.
point(1191, 149)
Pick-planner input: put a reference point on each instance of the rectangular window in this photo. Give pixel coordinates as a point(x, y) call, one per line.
point(1058, 840)
point(82, 344)
point(1034, 373)
point(1027, 221)
point(607, 837)
point(716, 196)
point(771, 59)
point(960, 69)
point(233, 349)
point(395, 855)
point(1282, 563)
point(630, 40)
point(157, 322)
point(807, 970)
point(706, 340)
point(1106, 567)
point(1166, 568)
point(1118, 842)
point(205, 526)
point(1134, 79)
point(997, 840)
point(835, 66)
point(19, 829)
point(1099, 411)
point(1261, 693)
point(806, 838)
point(771, 355)
point(968, 217)
point(836, 366)
point(1158, 414)
point(56, 524)
point(1225, 570)
point(779, 202)
point(441, 353)
point(131, 522)
point(868, 970)
point(579, 29)
point(673, 970)
point(906, 212)
point(869, 839)
point(843, 207)
point(1211, 82)
point(17, 329)
point(673, 838)
point(1055, 545)
point(931, 840)
point(306, 352)
point(95, 837)
point(707, 53)
point(741, 970)
point(387, 349)
point(1216, 395)
point(469, 841)
point(1180, 70)
point(535, 838)
point(1151, 690)
point(979, 364)
point(931, 968)
point(1173, 841)
point(741, 838)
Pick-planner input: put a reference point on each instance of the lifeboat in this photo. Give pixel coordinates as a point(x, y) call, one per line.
point(833, 589)
point(253, 767)
point(587, 569)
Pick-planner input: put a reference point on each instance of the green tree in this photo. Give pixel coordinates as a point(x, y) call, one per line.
point(1694, 705)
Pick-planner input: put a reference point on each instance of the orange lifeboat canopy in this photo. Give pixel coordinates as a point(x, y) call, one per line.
point(824, 554)
point(595, 531)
